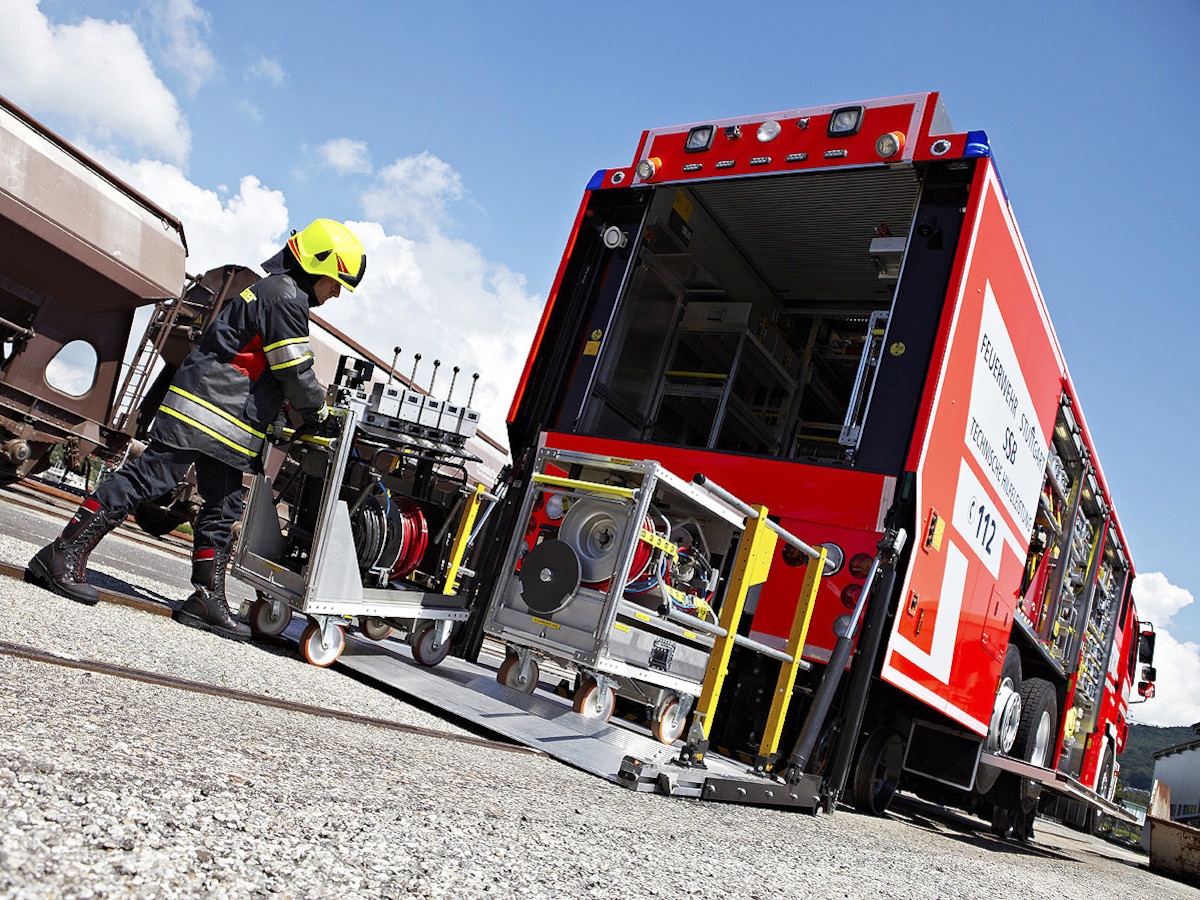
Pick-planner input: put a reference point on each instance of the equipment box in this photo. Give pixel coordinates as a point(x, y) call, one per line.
point(617, 573)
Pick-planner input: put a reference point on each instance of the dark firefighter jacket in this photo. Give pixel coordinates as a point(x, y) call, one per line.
point(253, 356)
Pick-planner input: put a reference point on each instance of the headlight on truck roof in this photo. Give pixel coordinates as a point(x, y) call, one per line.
point(699, 139)
point(845, 122)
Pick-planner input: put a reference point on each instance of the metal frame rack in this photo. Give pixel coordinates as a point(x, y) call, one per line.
point(328, 586)
point(555, 601)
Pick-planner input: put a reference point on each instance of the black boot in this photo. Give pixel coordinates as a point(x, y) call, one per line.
point(206, 608)
point(61, 566)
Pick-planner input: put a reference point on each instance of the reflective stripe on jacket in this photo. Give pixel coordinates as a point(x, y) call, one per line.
point(253, 356)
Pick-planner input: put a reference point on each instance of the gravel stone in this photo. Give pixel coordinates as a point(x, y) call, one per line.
point(112, 788)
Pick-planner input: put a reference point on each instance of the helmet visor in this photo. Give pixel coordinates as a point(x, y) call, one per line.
point(348, 278)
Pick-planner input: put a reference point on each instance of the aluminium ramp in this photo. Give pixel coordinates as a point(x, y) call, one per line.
point(546, 722)
point(1059, 783)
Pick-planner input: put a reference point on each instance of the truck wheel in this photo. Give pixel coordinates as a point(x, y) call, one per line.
point(668, 721)
point(595, 702)
point(263, 621)
point(1006, 712)
point(877, 772)
point(1034, 744)
point(1104, 782)
point(424, 650)
point(512, 675)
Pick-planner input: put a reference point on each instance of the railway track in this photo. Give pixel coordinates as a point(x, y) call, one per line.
point(44, 498)
point(33, 654)
point(106, 596)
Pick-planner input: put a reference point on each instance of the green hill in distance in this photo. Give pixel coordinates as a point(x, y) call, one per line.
point(1137, 762)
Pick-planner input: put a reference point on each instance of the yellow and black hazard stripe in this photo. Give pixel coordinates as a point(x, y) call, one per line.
point(287, 353)
point(213, 421)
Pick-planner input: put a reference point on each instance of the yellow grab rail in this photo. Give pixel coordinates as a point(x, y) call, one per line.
point(787, 673)
point(459, 548)
point(751, 568)
point(592, 486)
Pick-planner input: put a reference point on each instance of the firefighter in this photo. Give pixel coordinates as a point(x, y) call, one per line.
point(253, 357)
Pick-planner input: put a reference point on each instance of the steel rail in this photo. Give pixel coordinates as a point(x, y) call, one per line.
point(149, 606)
point(129, 532)
point(32, 654)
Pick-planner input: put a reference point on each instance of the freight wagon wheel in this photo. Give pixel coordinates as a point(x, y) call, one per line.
point(312, 650)
point(424, 650)
point(668, 722)
point(594, 702)
point(512, 675)
point(877, 773)
point(264, 622)
point(374, 628)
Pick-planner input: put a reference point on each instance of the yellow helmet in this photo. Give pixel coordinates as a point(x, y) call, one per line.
point(330, 248)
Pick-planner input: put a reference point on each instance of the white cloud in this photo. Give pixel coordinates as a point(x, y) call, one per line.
point(73, 368)
point(1158, 600)
point(268, 70)
point(441, 298)
point(249, 110)
point(429, 293)
point(436, 295)
point(244, 229)
point(95, 72)
point(346, 156)
point(1175, 701)
point(412, 193)
point(183, 26)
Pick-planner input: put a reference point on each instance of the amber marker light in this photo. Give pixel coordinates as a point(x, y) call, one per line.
point(648, 168)
point(890, 144)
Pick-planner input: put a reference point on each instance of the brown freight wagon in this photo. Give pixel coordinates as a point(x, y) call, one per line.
point(81, 252)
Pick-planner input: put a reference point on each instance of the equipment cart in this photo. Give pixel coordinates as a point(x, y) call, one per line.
point(371, 522)
point(616, 575)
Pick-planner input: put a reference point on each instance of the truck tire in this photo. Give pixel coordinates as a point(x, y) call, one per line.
point(877, 771)
point(1104, 781)
point(1010, 677)
point(1034, 744)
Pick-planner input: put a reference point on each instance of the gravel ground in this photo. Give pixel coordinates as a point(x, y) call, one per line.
point(113, 788)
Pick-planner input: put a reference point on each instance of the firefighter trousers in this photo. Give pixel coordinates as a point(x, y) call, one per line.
point(159, 469)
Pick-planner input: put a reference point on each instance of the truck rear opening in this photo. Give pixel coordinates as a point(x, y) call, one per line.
point(752, 319)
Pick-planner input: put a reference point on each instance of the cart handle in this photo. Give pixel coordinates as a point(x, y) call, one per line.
point(751, 513)
point(592, 486)
point(327, 442)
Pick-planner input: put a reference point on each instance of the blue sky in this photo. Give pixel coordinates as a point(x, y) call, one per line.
point(462, 134)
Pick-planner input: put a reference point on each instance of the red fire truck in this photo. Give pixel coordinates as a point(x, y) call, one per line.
point(831, 312)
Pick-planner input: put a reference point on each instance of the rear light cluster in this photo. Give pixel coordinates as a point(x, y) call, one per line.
point(860, 565)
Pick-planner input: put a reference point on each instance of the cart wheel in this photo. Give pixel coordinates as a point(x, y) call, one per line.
point(423, 648)
point(263, 621)
point(511, 675)
point(592, 702)
point(375, 629)
point(314, 653)
point(668, 722)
